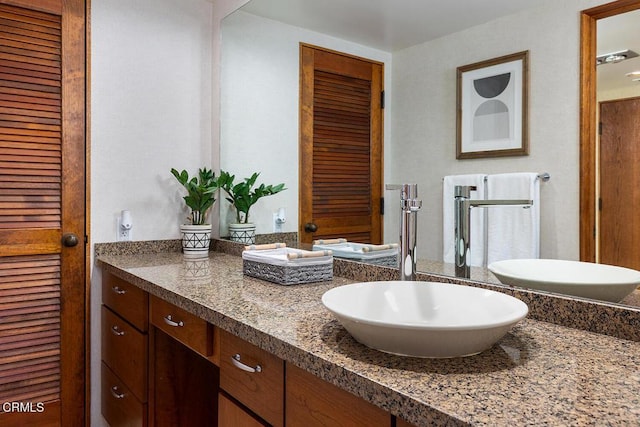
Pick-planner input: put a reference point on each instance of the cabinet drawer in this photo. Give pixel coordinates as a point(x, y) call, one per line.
point(129, 301)
point(262, 390)
point(124, 350)
point(119, 406)
point(313, 401)
point(190, 330)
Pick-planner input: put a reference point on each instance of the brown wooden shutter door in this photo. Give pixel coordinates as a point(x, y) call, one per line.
point(341, 146)
point(42, 176)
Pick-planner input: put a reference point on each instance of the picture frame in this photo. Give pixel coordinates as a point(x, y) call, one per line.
point(492, 107)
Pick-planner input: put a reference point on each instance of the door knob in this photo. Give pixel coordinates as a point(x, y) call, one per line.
point(69, 240)
point(310, 227)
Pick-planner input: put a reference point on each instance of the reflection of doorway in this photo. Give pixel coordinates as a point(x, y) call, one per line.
point(619, 227)
point(588, 105)
point(340, 146)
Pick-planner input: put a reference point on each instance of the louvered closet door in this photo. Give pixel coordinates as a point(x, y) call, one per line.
point(340, 146)
point(42, 180)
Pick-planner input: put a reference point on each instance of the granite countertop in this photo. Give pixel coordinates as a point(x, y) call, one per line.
point(538, 374)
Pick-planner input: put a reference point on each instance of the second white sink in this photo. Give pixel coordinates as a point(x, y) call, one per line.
point(582, 279)
point(424, 319)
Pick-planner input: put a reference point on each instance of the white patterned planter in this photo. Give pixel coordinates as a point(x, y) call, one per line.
point(243, 233)
point(195, 240)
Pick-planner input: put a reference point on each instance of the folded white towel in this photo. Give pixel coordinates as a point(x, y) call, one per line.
point(478, 242)
point(513, 232)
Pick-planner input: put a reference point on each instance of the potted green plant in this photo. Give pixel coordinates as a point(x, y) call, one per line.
point(242, 196)
point(201, 195)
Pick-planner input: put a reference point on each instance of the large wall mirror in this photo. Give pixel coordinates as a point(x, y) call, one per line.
point(259, 109)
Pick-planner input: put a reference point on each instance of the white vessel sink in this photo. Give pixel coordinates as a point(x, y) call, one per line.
point(582, 279)
point(424, 319)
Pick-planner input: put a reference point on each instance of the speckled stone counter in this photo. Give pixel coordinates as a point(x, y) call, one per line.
point(538, 374)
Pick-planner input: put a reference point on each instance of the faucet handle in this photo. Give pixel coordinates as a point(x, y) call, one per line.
point(464, 190)
point(407, 191)
point(412, 205)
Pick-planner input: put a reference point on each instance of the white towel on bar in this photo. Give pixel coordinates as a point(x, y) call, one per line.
point(478, 242)
point(513, 232)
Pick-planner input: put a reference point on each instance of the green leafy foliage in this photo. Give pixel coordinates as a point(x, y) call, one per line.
point(243, 195)
point(201, 191)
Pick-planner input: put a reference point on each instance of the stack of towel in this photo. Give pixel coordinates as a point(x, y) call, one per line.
point(513, 232)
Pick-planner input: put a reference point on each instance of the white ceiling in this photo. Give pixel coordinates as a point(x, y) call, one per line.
point(618, 33)
point(388, 25)
point(391, 25)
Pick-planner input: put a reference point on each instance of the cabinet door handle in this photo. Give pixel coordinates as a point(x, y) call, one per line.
point(235, 359)
point(116, 331)
point(169, 321)
point(115, 393)
point(118, 290)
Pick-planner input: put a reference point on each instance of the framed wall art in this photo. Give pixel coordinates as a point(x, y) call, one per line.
point(492, 111)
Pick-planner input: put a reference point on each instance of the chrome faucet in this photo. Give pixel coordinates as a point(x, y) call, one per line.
point(409, 207)
point(462, 214)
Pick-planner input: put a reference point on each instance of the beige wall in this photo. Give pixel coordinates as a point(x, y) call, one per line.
point(151, 110)
point(420, 125)
point(259, 107)
point(424, 113)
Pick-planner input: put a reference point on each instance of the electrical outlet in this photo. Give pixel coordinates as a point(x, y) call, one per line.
point(123, 227)
point(277, 225)
point(123, 234)
point(279, 219)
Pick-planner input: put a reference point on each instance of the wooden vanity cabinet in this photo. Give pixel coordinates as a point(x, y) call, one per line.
point(124, 353)
point(156, 361)
point(163, 366)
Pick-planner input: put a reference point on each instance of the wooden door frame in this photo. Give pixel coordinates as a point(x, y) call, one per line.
point(588, 107)
point(305, 155)
point(75, 67)
point(87, 211)
point(76, 367)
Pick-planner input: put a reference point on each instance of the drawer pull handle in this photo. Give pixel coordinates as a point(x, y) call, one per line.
point(115, 393)
point(118, 290)
point(238, 364)
point(169, 321)
point(116, 331)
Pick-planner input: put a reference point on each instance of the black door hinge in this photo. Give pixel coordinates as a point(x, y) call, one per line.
point(381, 205)
point(600, 128)
point(382, 100)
